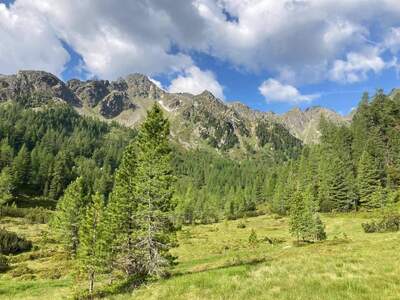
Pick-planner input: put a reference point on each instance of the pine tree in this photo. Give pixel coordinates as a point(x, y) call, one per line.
point(68, 215)
point(154, 180)
point(6, 154)
point(21, 168)
point(90, 254)
point(368, 179)
point(120, 232)
point(6, 186)
point(297, 209)
point(305, 223)
point(141, 201)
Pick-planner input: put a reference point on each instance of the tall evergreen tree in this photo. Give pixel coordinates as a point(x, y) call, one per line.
point(368, 179)
point(21, 168)
point(6, 186)
point(154, 191)
point(121, 224)
point(68, 215)
point(90, 254)
point(141, 201)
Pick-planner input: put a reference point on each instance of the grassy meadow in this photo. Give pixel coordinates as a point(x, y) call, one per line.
point(217, 262)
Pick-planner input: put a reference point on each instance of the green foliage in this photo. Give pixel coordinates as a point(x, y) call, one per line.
point(68, 215)
point(253, 238)
point(141, 202)
point(11, 243)
point(90, 255)
point(6, 186)
point(388, 223)
point(4, 266)
point(305, 223)
point(46, 149)
point(368, 181)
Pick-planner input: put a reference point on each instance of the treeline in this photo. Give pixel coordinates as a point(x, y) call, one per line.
point(42, 150)
point(212, 187)
point(353, 167)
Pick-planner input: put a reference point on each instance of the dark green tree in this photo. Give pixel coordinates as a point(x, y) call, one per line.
point(368, 179)
point(90, 254)
point(68, 215)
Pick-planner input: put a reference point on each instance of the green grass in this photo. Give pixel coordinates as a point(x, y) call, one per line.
point(217, 262)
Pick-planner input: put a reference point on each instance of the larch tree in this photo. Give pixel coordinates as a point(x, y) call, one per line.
point(154, 191)
point(90, 254)
point(141, 202)
point(368, 179)
point(68, 215)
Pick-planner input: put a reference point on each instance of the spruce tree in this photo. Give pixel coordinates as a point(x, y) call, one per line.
point(21, 168)
point(297, 209)
point(141, 201)
point(6, 154)
point(68, 215)
point(154, 179)
point(90, 254)
point(121, 224)
point(368, 179)
point(6, 186)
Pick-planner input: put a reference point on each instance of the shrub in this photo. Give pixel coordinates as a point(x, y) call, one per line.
point(35, 215)
point(11, 243)
point(253, 238)
point(3, 264)
point(241, 225)
point(388, 223)
point(38, 215)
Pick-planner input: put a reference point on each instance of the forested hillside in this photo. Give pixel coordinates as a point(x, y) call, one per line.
point(353, 167)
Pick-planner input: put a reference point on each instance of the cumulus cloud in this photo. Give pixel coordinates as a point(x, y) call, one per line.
point(275, 91)
point(357, 66)
point(392, 40)
point(297, 41)
point(27, 42)
point(195, 81)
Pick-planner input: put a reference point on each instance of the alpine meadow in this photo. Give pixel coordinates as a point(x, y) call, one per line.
point(128, 172)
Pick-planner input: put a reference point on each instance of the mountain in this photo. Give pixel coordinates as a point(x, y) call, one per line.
point(196, 120)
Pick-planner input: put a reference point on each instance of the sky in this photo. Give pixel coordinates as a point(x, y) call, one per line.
point(272, 55)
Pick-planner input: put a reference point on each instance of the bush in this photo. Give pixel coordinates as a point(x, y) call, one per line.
point(388, 223)
point(35, 215)
point(11, 243)
point(253, 238)
point(241, 225)
point(38, 215)
point(3, 264)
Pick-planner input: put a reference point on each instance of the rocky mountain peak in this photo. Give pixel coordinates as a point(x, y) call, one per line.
point(141, 86)
point(30, 83)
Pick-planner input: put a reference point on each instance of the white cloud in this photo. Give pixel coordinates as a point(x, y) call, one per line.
point(297, 41)
point(357, 66)
point(157, 83)
point(27, 42)
point(392, 40)
point(195, 81)
point(275, 91)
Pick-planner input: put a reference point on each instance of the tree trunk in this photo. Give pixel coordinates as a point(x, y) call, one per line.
point(91, 282)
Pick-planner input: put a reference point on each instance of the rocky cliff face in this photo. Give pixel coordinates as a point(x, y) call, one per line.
point(195, 119)
point(35, 83)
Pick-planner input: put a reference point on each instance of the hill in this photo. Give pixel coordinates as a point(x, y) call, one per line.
point(197, 120)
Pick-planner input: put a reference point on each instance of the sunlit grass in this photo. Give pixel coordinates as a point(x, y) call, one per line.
point(217, 262)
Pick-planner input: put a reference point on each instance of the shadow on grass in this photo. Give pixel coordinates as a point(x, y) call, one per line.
point(133, 283)
point(234, 263)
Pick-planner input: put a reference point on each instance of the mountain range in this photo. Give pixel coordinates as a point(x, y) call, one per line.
point(196, 120)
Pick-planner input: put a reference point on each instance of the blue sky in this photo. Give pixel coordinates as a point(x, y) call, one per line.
point(270, 55)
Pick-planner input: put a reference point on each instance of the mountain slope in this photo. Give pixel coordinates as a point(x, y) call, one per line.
point(196, 120)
